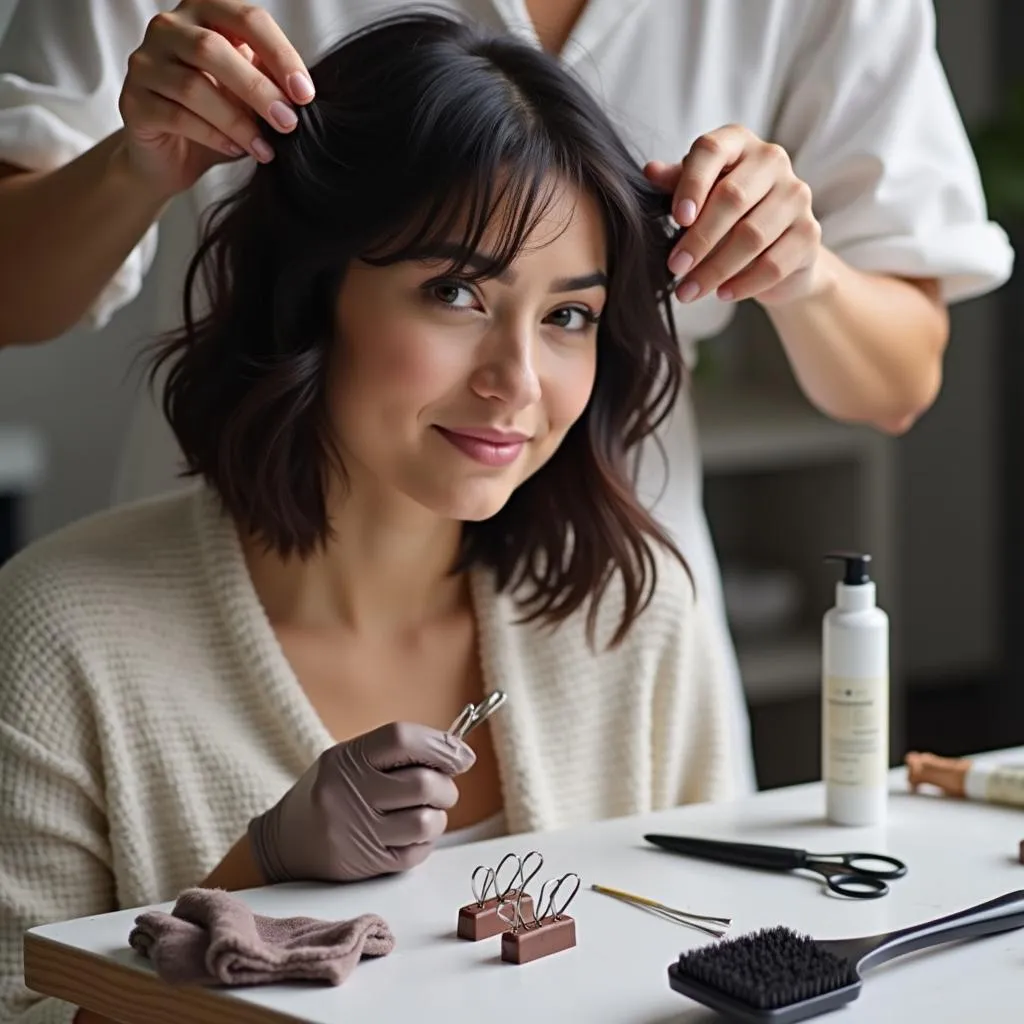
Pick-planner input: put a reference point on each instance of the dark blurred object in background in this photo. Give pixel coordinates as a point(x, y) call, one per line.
point(999, 147)
point(21, 470)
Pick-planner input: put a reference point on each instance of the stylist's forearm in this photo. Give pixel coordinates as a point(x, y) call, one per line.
point(63, 234)
point(866, 348)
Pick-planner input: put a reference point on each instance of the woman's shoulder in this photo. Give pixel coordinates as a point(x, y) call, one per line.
point(669, 598)
point(668, 611)
point(82, 605)
point(674, 594)
point(100, 564)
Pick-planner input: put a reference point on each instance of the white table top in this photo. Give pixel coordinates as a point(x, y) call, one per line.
point(959, 853)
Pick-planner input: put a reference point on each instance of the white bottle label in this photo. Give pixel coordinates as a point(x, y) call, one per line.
point(856, 731)
point(1006, 785)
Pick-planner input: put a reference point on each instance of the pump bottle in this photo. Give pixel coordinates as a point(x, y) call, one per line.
point(855, 698)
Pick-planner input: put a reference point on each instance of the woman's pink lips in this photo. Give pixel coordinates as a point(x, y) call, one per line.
point(488, 447)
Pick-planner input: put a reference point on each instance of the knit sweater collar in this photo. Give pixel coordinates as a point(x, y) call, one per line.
point(303, 734)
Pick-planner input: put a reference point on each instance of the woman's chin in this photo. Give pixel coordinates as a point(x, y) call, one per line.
point(471, 504)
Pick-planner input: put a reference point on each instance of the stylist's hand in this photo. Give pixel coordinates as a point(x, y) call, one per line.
point(751, 232)
point(370, 806)
point(204, 73)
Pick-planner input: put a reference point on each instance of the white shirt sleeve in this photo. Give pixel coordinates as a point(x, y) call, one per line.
point(871, 125)
point(61, 70)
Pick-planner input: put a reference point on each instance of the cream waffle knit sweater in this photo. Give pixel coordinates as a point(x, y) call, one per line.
point(147, 712)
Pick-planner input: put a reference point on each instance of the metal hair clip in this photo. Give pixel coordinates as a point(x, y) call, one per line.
point(473, 715)
point(480, 919)
point(541, 934)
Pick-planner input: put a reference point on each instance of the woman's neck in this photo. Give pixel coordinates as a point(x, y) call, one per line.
point(385, 570)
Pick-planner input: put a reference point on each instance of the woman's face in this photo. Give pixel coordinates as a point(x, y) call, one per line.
point(452, 393)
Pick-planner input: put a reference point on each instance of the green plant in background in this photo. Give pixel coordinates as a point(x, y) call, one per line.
point(999, 148)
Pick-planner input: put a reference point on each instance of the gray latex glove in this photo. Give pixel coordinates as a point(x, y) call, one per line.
point(370, 806)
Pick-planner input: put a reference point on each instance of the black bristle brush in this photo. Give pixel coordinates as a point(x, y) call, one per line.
point(780, 976)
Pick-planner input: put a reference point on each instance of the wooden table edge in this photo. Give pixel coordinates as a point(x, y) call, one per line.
point(131, 996)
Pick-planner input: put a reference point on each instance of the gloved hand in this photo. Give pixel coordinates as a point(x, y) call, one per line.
point(370, 806)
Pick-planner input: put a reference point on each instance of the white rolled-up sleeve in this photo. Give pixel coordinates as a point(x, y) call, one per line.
point(61, 69)
point(870, 123)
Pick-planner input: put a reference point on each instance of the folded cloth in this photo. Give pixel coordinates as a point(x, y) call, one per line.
point(213, 938)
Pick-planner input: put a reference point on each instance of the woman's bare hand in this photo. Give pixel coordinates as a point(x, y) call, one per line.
point(198, 82)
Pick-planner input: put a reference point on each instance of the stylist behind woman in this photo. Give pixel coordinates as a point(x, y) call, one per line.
point(813, 149)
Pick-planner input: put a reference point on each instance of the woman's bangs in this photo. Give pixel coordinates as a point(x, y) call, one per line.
point(479, 224)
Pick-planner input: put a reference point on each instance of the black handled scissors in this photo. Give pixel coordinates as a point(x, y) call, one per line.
point(848, 874)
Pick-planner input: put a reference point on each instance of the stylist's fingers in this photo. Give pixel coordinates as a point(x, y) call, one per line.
point(208, 56)
point(665, 176)
point(778, 262)
point(253, 26)
point(165, 98)
point(162, 117)
point(735, 196)
point(709, 157)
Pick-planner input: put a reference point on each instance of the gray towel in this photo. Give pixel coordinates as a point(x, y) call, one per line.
point(213, 938)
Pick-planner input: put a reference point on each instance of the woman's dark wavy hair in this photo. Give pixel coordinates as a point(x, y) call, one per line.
point(425, 129)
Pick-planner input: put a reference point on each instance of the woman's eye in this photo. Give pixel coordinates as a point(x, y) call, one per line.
point(571, 318)
point(457, 296)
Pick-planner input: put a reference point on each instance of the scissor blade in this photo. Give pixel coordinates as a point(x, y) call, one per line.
point(777, 858)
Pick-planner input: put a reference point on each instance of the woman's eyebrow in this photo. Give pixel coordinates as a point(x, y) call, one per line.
point(478, 261)
point(573, 284)
point(461, 256)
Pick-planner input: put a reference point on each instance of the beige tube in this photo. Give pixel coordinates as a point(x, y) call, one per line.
point(994, 783)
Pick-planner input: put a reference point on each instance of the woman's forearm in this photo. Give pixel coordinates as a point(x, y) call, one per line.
point(63, 234)
point(238, 870)
point(866, 348)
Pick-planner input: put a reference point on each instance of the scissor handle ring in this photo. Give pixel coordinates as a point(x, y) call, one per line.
point(898, 869)
point(859, 887)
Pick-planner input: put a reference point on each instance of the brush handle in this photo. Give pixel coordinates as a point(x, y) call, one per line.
point(999, 915)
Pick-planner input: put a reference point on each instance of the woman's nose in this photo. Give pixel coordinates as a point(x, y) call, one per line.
point(508, 371)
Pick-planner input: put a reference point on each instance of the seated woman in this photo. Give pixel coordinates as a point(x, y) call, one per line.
point(432, 335)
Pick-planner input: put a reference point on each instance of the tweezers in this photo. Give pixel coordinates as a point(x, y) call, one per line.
point(473, 715)
point(716, 926)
